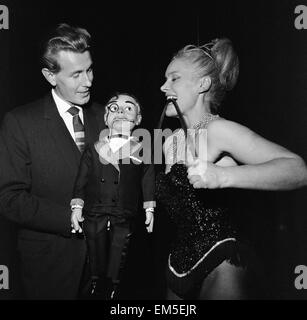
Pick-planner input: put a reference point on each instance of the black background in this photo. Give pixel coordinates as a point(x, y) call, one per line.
point(132, 45)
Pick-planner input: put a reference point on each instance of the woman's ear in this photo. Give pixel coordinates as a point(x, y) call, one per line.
point(205, 84)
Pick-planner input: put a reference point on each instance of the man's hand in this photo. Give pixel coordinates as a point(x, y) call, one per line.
point(76, 217)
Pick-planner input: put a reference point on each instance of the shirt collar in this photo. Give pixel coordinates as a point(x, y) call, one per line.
point(61, 104)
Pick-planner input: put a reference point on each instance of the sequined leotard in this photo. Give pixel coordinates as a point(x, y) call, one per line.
point(205, 235)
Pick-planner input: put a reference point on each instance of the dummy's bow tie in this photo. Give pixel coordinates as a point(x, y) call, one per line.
point(119, 136)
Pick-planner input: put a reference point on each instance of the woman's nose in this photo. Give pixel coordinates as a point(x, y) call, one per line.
point(163, 88)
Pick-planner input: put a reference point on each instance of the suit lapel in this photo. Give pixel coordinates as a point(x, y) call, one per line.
point(61, 137)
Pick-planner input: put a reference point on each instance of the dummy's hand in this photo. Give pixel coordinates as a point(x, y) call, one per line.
point(205, 174)
point(76, 217)
point(149, 221)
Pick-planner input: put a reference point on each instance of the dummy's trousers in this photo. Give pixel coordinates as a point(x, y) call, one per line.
point(107, 239)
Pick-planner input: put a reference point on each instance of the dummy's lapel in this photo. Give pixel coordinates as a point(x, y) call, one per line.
point(62, 139)
point(106, 156)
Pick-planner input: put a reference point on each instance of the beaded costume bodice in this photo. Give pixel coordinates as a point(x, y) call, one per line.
point(200, 216)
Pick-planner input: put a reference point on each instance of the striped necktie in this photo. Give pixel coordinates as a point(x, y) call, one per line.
point(78, 128)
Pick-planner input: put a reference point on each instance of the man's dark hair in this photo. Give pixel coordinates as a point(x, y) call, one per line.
point(64, 38)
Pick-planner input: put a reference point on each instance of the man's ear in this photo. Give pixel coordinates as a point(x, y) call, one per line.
point(205, 84)
point(138, 119)
point(50, 76)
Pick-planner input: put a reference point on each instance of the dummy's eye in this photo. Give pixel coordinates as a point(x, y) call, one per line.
point(128, 109)
point(113, 107)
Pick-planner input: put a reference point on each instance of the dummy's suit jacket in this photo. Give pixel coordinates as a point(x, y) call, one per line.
point(111, 190)
point(39, 161)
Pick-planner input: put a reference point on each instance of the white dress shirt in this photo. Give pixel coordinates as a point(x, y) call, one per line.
point(62, 107)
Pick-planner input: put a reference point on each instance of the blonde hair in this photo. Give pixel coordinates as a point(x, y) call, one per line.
point(218, 60)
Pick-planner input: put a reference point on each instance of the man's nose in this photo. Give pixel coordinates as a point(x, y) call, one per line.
point(88, 79)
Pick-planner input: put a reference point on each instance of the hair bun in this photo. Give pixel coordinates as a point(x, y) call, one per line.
point(227, 61)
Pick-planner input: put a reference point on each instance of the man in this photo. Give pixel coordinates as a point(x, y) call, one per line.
point(40, 148)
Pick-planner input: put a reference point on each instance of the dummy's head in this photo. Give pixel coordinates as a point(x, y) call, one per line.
point(122, 113)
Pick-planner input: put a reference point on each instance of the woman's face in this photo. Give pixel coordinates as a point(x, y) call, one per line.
point(182, 85)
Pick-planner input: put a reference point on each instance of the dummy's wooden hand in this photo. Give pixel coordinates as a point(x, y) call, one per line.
point(76, 217)
point(149, 221)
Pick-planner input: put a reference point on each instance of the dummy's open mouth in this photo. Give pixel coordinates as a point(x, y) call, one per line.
point(121, 120)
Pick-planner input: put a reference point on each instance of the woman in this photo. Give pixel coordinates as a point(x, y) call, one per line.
point(207, 259)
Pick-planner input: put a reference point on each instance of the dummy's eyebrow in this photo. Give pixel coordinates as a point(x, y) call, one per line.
point(127, 101)
point(130, 102)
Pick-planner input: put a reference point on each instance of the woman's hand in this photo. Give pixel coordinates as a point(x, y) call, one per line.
point(205, 174)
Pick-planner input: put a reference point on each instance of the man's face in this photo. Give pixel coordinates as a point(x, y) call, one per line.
point(73, 81)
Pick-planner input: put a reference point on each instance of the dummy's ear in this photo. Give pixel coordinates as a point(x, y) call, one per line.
point(49, 76)
point(138, 119)
point(106, 117)
point(205, 84)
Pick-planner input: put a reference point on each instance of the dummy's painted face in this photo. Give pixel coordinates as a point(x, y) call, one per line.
point(122, 113)
point(182, 85)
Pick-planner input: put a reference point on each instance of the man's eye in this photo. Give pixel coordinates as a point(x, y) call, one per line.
point(174, 79)
point(75, 75)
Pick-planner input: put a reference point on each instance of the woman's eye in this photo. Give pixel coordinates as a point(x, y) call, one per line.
point(75, 75)
point(129, 109)
point(174, 79)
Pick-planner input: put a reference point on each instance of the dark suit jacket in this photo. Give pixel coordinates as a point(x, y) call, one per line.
point(39, 162)
point(105, 189)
